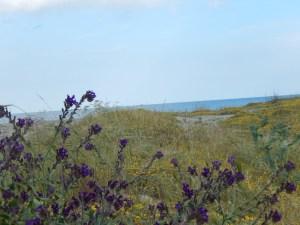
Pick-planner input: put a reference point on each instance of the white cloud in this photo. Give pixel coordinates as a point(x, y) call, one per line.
point(31, 5)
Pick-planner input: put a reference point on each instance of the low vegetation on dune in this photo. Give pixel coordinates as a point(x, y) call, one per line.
point(138, 167)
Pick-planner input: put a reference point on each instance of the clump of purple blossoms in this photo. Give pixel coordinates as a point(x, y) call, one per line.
point(187, 191)
point(21, 122)
point(88, 146)
point(216, 164)
point(90, 96)
point(276, 216)
point(290, 187)
point(70, 101)
point(35, 221)
point(123, 143)
point(158, 155)
point(62, 153)
point(65, 132)
point(203, 215)
point(206, 172)
point(289, 166)
point(174, 162)
point(95, 129)
point(192, 170)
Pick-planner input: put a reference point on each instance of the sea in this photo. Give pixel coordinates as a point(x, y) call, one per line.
point(164, 107)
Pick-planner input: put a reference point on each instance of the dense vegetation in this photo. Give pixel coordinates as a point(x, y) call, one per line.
point(141, 167)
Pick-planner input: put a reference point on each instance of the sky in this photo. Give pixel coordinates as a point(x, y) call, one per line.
point(147, 51)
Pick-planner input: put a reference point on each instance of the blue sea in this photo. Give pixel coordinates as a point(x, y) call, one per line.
point(167, 107)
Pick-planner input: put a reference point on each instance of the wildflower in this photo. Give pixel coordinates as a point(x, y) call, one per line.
point(192, 170)
point(85, 170)
point(65, 132)
point(24, 196)
point(228, 177)
point(112, 184)
point(289, 166)
point(239, 177)
point(90, 96)
point(203, 215)
point(216, 164)
point(28, 122)
point(88, 146)
point(21, 122)
point(276, 216)
point(178, 206)
point(231, 160)
point(158, 155)
point(206, 172)
point(290, 187)
point(95, 129)
point(62, 153)
point(70, 101)
point(273, 199)
point(123, 142)
point(55, 208)
point(18, 147)
point(7, 194)
point(174, 161)
point(35, 221)
point(188, 192)
point(27, 156)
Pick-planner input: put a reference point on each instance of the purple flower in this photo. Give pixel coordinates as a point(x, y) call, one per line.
point(95, 129)
point(289, 166)
point(18, 147)
point(55, 208)
point(239, 177)
point(123, 142)
point(206, 172)
point(70, 101)
point(27, 156)
point(62, 153)
point(203, 215)
point(90, 96)
point(24, 196)
point(158, 155)
point(276, 216)
point(88, 146)
point(21, 122)
point(188, 192)
point(35, 221)
point(228, 177)
point(290, 187)
point(178, 206)
point(7, 194)
point(174, 161)
point(85, 170)
point(112, 184)
point(231, 160)
point(28, 122)
point(216, 164)
point(65, 132)
point(192, 170)
point(161, 207)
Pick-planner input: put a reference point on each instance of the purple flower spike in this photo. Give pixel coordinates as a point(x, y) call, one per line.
point(276, 216)
point(188, 192)
point(65, 132)
point(70, 101)
point(192, 170)
point(21, 122)
point(290, 187)
point(239, 177)
point(158, 155)
point(123, 142)
point(88, 146)
point(90, 96)
point(35, 221)
point(206, 172)
point(174, 161)
point(216, 164)
point(231, 160)
point(95, 129)
point(203, 214)
point(289, 166)
point(62, 154)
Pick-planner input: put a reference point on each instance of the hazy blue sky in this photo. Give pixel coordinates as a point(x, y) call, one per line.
point(147, 51)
